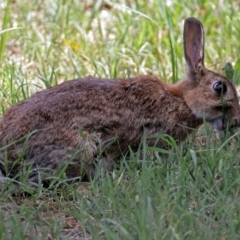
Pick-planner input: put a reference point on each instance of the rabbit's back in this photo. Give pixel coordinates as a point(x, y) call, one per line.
point(93, 105)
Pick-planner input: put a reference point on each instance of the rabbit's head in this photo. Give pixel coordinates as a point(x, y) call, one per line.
point(209, 95)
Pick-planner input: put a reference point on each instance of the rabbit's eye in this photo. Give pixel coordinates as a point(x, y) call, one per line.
point(220, 87)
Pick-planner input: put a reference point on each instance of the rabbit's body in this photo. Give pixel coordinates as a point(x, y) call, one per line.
point(95, 115)
point(82, 121)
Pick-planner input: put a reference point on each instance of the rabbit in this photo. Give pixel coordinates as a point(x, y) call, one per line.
point(75, 125)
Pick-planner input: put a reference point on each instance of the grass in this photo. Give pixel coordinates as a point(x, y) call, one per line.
point(190, 192)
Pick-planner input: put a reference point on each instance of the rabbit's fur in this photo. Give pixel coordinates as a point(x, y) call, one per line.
point(86, 120)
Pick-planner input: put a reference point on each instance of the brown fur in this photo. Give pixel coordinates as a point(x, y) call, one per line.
point(85, 120)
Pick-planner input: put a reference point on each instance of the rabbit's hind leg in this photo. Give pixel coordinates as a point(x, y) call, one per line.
point(71, 157)
point(50, 161)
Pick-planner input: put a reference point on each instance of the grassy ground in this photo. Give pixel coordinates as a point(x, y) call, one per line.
point(192, 192)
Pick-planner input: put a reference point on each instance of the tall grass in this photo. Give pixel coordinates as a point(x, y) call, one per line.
point(188, 192)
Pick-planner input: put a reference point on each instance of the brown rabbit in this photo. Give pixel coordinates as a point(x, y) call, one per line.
point(77, 123)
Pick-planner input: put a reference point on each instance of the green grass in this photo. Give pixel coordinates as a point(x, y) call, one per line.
point(190, 192)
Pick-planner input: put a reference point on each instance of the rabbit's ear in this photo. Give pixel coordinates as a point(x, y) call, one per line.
point(193, 46)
